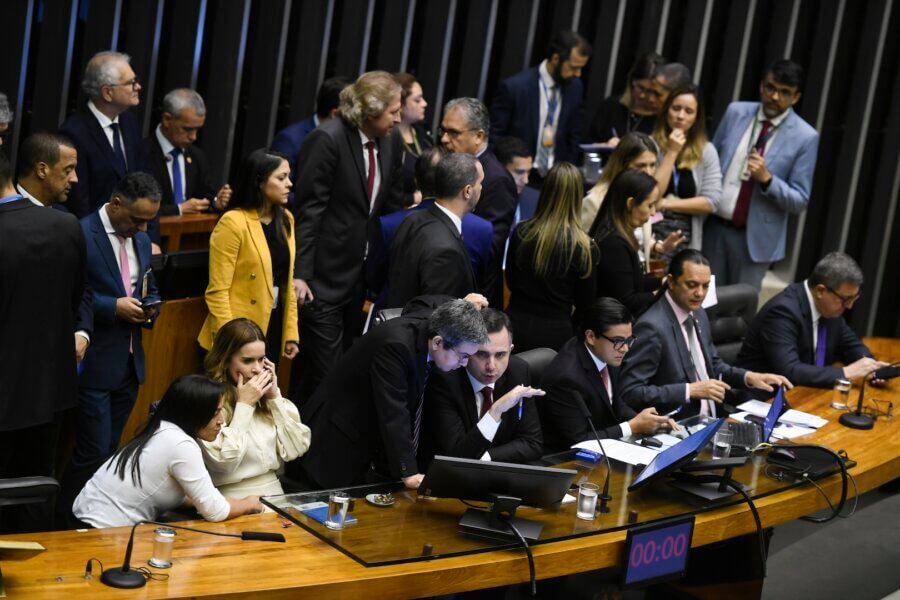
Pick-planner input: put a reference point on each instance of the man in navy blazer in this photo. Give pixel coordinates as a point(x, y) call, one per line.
point(604, 338)
point(673, 364)
point(801, 332)
point(106, 134)
point(124, 290)
point(543, 105)
point(768, 156)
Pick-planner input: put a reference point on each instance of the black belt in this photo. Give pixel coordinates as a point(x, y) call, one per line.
point(728, 223)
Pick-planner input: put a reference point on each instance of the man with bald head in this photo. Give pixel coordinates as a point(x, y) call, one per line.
point(106, 134)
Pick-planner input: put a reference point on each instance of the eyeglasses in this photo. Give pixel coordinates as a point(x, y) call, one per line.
point(784, 92)
point(462, 356)
point(846, 302)
point(452, 133)
point(619, 343)
point(643, 90)
point(134, 83)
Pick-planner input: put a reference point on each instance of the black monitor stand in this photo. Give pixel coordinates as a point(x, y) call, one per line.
point(709, 486)
point(493, 524)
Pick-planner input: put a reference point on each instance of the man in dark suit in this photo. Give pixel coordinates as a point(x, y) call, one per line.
point(427, 254)
point(484, 411)
point(351, 174)
point(106, 134)
point(124, 290)
point(674, 365)
point(465, 128)
point(517, 160)
point(367, 412)
point(182, 169)
point(42, 267)
point(587, 367)
point(801, 332)
point(543, 105)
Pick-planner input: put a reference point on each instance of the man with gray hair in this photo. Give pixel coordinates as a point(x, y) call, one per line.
point(465, 128)
point(800, 332)
point(180, 167)
point(6, 116)
point(106, 134)
point(367, 413)
point(428, 255)
point(351, 175)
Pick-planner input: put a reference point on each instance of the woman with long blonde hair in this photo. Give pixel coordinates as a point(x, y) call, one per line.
point(550, 264)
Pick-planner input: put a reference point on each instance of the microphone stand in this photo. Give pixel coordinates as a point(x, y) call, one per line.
point(127, 578)
point(604, 497)
point(856, 419)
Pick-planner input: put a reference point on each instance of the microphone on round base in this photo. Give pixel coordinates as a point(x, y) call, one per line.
point(125, 580)
point(857, 421)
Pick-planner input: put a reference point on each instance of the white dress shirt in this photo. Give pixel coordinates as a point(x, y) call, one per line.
point(105, 123)
point(457, 222)
point(167, 148)
point(133, 264)
point(486, 425)
point(814, 312)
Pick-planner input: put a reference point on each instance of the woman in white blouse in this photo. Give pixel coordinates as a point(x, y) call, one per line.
point(263, 429)
point(162, 467)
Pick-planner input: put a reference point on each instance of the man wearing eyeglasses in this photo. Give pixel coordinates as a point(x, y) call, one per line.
point(801, 332)
point(106, 134)
point(588, 366)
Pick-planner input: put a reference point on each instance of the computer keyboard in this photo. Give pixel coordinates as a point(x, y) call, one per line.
point(745, 434)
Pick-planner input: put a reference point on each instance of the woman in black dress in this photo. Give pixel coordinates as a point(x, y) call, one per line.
point(415, 136)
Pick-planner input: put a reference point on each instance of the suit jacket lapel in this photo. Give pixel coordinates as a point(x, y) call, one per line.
point(443, 218)
point(101, 238)
point(785, 131)
point(354, 143)
point(102, 141)
point(262, 247)
point(686, 361)
point(592, 375)
point(806, 331)
point(466, 395)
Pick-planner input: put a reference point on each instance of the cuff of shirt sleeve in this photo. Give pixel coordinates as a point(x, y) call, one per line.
point(488, 426)
point(486, 456)
point(84, 334)
point(746, 384)
point(687, 392)
point(626, 429)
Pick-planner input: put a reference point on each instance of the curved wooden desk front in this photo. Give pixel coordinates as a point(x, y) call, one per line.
point(210, 566)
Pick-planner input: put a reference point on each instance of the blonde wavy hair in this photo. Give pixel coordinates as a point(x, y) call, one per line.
point(368, 96)
point(229, 340)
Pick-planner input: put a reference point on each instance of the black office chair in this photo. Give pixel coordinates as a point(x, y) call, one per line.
point(729, 320)
point(21, 491)
point(537, 360)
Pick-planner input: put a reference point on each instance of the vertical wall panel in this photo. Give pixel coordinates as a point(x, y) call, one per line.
point(17, 46)
point(308, 40)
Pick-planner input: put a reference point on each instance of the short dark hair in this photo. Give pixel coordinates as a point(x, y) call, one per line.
point(563, 42)
point(5, 171)
point(496, 320)
point(676, 267)
point(786, 72)
point(41, 147)
point(509, 148)
point(137, 185)
point(603, 314)
point(457, 322)
point(426, 168)
point(453, 173)
point(329, 96)
point(834, 269)
point(676, 75)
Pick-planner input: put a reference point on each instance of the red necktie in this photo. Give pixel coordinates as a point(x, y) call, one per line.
point(742, 207)
point(487, 392)
point(370, 185)
point(604, 374)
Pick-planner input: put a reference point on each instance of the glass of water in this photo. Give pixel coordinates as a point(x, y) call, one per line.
point(587, 501)
point(338, 506)
point(722, 443)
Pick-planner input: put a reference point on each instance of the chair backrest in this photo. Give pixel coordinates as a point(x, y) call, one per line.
point(730, 319)
point(537, 360)
point(27, 490)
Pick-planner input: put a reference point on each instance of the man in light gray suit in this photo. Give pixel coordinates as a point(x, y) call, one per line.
point(673, 364)
point(768, 156)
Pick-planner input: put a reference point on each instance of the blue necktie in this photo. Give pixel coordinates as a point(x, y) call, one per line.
point(117, 148)
point(821, 341)
point(177, 190)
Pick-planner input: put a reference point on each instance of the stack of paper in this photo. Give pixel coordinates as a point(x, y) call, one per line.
point(631, 454)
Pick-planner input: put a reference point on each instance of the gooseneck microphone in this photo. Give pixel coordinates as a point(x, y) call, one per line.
point(856, 419)
point(125, 577)
point(604, 497)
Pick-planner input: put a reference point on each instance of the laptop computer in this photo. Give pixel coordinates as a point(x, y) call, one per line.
point(756, 430)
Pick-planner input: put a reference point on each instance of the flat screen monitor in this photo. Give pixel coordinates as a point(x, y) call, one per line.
point(469, 479)
point(675, 456)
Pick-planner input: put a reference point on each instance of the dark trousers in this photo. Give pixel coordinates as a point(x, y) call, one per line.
point(729, 258)
point(28, 452)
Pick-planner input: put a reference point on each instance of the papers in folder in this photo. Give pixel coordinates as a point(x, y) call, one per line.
point(631, 454)
point(782, 431)
point(794, 417)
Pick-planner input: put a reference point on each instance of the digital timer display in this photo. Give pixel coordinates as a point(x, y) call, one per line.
point(657, 552)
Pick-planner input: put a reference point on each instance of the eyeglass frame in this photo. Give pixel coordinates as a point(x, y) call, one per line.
point(454, 133)
point(619, 342)
point(134, 83)
point(845, 302)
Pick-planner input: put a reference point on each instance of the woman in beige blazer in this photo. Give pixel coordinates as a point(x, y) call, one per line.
point(251, 257)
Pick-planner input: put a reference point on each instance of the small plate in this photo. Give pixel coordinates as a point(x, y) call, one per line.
point(380, 499)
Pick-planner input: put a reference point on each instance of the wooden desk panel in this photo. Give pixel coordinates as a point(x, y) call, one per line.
point(187, 232)
point(218, 567)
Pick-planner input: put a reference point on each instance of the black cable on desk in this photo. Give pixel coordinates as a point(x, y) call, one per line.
point(525, 545)
point(759, 528)
point(803, 476)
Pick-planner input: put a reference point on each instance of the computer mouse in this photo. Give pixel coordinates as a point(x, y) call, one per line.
point(784, 454)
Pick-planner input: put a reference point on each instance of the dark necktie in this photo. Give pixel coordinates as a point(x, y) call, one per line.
point(117, 148)
point(417, 423)
point(370, 185)
point(177, 190)
point(742, 207)
point(821, 342)
point(604, 375)
point(487, 393)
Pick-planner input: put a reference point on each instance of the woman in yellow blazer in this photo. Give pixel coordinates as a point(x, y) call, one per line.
point(251, 257)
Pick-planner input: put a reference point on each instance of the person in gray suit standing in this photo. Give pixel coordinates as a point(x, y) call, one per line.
point(768, 156)
point(673, 364)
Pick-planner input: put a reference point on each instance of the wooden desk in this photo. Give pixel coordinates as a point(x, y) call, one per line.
point(187, 232)
point(215, 567)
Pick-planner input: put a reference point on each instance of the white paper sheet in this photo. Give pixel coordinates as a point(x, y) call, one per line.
point(631, 454)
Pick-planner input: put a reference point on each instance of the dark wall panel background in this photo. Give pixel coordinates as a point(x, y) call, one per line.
point(258, 64)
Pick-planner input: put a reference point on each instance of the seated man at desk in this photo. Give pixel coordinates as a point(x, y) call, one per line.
point(588, 366)
point(485, 411)
point(674, 365)
point(800, 332)
point(366, 415)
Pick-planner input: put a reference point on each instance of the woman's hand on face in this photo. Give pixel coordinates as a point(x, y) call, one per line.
point(677, 140)
point(253, 389)
point(272, 392)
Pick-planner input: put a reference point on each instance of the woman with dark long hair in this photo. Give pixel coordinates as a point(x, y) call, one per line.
point(251, 257)
point(416, 137)
point(162, 467)
point(262, 429)
point(630, 202)
point(550, 264)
